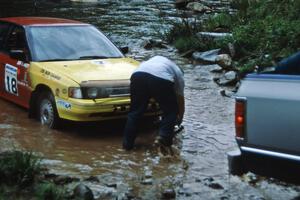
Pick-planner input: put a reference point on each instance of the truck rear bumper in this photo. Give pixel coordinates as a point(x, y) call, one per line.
point(270, 153)
point(267, 163)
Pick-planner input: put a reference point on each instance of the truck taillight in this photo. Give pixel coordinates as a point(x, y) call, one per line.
point(240, 114)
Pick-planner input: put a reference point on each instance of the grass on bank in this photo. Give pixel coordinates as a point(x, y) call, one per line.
point(20, 174)
point(264, 32)
point(19, 168)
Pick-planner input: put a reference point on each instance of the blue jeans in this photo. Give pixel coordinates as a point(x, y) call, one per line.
point(144, 86)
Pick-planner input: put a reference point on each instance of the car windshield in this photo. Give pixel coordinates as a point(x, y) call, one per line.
point(54, 43)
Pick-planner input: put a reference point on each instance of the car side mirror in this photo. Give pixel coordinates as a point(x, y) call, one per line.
point(17, 55)
point(124, 49)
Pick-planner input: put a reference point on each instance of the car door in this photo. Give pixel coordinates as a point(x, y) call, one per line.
point(4, 29)
point(14, 66)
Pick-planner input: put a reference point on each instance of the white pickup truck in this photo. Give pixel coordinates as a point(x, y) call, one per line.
point(267, 119)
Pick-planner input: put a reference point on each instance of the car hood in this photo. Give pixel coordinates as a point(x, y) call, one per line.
point(91, 70)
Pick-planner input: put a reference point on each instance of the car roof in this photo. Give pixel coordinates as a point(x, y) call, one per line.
point(40, 21)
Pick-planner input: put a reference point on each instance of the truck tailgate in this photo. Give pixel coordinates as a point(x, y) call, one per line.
point(273, 112)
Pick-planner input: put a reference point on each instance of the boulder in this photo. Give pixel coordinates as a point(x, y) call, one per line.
point(197, 7)
point(181, 3)
point(207, 57)
point(169, 194)
point(213, 35)
point(151, 43)
point(229, 78)
point(226, 93)
point(231, 75)
point(83, 192)
point(216, 68)
point(224, 60)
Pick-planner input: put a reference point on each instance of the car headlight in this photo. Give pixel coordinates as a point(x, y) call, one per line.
point(75, 92)
point(92, 93)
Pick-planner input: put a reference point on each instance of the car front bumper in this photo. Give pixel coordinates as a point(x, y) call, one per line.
point(98, 109)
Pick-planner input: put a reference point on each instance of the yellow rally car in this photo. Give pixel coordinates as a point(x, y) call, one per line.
point(63, 69)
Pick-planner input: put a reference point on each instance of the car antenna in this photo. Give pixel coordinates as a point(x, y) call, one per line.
point(35, 4)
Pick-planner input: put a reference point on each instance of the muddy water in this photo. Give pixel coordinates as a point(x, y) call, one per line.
point(199, 171)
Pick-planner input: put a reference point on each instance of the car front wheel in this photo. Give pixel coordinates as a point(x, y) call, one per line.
point(47, 110)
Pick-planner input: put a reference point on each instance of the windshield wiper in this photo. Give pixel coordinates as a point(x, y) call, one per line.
point(97, 57)
point(53, 60)
point(92, 57)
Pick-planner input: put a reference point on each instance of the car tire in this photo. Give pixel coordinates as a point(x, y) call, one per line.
point(47, 112)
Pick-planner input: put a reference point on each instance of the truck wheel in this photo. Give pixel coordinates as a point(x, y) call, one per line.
point(47, 112)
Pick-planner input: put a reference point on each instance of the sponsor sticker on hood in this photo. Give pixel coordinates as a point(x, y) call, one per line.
point(98, 62)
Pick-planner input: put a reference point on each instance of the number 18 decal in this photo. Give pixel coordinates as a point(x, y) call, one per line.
point(11, 80)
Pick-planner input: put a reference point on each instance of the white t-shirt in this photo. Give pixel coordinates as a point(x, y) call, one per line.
point(164, 68)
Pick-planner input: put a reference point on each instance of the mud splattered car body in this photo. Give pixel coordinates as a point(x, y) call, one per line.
point(63, 69)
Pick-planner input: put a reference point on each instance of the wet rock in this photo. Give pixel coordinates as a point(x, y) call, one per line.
point(50, 175)
point(226, 93)
point(181, 3)
point(202, 79)
point(214, 35)
point(62, 180)
point(147, 44)
point(197, 180)
point(83, 192)
point(111, 185)
point(92, 179)
point(210, 182)
point(208, 179)
point(231, 75)
point(124, 49)
point(224, 60)
point(228, 78)
point(197, 7)
point(169, 194)
point(150, 43)
point(186, 190)
point(216, 68)
point(216, 186)
point(188, 53)
point(148, 173)
point(147, 181)
point(251, 178)
point(208, 56)
point(129, 195)
point(224, 198)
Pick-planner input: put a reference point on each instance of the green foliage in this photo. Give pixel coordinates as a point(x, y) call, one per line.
point(264, 32)
point(182, 29)
point(19, 168)
point(50, 191)
point(219, 23)
point(186, 43)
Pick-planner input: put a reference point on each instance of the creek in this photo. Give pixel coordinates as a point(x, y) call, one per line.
point(198, 170)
